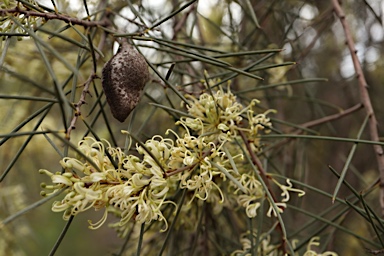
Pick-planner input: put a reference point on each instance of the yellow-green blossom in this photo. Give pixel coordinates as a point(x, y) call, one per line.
point(265, 247)
point(315, 242)
point(219, 116)
point(204, 160)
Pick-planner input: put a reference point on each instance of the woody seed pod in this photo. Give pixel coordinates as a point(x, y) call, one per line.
point(123, 79)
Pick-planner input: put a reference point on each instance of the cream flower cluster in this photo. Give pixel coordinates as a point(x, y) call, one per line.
point(137, 188)
point(267, 249)
point(220, 115)
point(203, 159)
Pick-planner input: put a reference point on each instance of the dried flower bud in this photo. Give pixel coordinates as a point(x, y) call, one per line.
point(123, 79)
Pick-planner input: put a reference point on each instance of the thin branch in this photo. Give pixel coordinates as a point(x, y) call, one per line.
point(265, 177)
point(329, 118)
point(79, 104)
point(54, 16)
point(256, 161)
point(374, 134)
point(316, 122)
point(375, 252)
point(85, 91)
point(181, 24)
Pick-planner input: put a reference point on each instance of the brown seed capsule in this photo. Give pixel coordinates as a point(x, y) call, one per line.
point(123, 79)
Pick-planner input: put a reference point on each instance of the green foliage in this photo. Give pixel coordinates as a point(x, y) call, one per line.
point(238, 146)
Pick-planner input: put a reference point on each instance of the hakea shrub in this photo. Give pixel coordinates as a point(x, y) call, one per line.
point(206, 159)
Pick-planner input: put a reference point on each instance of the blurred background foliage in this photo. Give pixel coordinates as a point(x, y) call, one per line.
point(311, 78)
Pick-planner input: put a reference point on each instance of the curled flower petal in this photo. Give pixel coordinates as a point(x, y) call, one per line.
point(280, 207)
point(60, 179)
point(97, 176)
point(100, 222)
point(60, 206)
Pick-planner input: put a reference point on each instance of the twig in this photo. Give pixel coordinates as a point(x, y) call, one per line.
point(258, 164)
point(84, 92)
point(332, 117)
point(79, 104)
point(374, 134)
point(317, 122)
point(375, 252)
point(265, 178)
point(54, 16)
point(181, 24)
